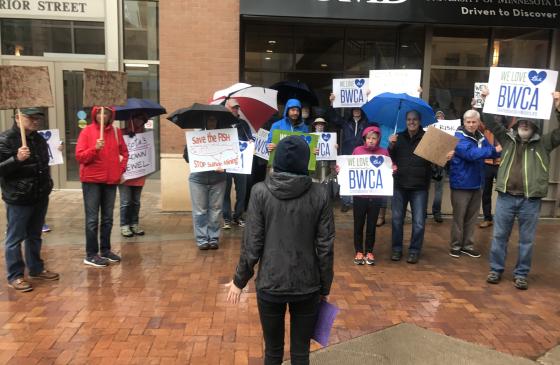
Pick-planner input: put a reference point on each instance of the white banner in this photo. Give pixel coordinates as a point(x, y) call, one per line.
point(261, 149)
point(478, 86)
point(141, 155)
point(93, 10)
point(326, 146)
point(365, 175)
point(52, 136)
point(520, 92)
point(350, 92)
point(213, 149)
point(394, 81)
point(247, 149)
point(448, 126)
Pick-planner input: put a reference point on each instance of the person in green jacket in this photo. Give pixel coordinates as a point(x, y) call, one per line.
point(522, 182)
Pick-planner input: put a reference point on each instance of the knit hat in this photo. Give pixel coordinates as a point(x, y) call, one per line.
point(291, 155)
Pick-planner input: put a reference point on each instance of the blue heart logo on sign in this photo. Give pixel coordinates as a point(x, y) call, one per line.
point(537, 77)
point(360, 82)
point(242, 146)
point(306, 139)
point(326, 137)
point(46, 135)
point(377, 161)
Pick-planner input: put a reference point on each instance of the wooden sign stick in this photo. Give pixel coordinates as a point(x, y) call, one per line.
point(102, 123)
point(21, 129)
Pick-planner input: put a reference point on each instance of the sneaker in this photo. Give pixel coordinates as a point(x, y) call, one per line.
point(359, 259)
point(96, 261)
point(111, 257)
point(136, 230)
point(438, 218)
point(240, 222)
point(45, 275)
point(413, 258)
point(126, 232)
point(213, 245)
point(370, 258)
point(493, 277)
point(204, 246)
point(20, 284)
point(520, 283)
point(486, 224)
point(344, 208)
point(396, 256)
point(470, 252)
point(455, 253)
point(46, 228)
point(227, 225)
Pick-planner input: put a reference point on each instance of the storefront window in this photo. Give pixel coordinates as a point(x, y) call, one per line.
point(141, 40)
point(521, 48)
point(411, 47)
point(453, 46)
point(370, 50)
point(269, 47)
point(319, 48)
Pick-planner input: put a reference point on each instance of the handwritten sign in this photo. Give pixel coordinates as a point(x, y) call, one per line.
point(478, 87)
point(213, 149)
point(448, 126)
point(52, 136)
point(311, 139)
point(520, 92)
point(435, 145)
point(326, 144)
point(25, 87)
point(104, 88)
point(261, 142)
point(350, 92)
point(394, 81)
point(141, 155)
point(247, 149)
point(365, 175)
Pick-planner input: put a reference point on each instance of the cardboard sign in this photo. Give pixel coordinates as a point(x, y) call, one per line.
point(25, 87)
point(104, 88)
point(520, 92)
point(350, 92)
point(394, 81)
point(311, 140)
point(141, 155)
point(247, 149)
point(261, 142)
point(435, 145)
point(448, 126)
point(213, 149)
point(478, 87)
point(52, 136)
point(365, 175)
point(326, 143)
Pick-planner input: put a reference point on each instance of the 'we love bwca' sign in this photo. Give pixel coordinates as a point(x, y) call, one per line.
point(105, 88)
point(25, 87)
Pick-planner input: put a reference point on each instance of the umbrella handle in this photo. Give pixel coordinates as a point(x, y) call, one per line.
point(398, 116)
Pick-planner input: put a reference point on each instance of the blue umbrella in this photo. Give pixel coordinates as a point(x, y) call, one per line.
point(134, 106)
point(389, 110)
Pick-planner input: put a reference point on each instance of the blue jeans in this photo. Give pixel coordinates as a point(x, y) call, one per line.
point(98, 197)
point(418, 200)
point(346, 200)
point(207, 200)
point(527, 212)
point(438, 195)
point(240, 192)
point(25, 222)
point(130, 204)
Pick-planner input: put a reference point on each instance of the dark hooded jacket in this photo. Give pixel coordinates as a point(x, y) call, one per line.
point(290, 232)
point(413, 172)
point(284, 124)
point(351, 131)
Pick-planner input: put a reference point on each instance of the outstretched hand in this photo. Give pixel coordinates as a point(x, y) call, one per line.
point(234, 293)
point(556, 97)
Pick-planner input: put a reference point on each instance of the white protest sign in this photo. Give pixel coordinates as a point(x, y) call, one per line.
point(365, 175)
point(350, 92)
point(52, 136)
point(520, 92)
point(261, 139)
point(213, 149)
point(247, 149)
point(448, 126)
point(394, 81)
point(326, 146)
point(141, 155)
point(478, 87)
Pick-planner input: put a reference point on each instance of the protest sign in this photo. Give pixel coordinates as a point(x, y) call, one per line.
point(326, 144)
point(365, 175)
point(104, 88)
point(247, 149)
point(311, 140)
point(141, 155)
point(52, 136)
point(25, 87)
point(435, 145)
point(394, 81)
point(448, 126)
point(350, 92)
point(520, 92)
point(213, 149)
point(325, 320)
point(261, 149)
point(478, 87)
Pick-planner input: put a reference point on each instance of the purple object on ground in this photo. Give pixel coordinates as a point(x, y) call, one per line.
point(325, 320)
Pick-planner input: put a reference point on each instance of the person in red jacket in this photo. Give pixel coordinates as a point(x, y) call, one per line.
point(102, 160)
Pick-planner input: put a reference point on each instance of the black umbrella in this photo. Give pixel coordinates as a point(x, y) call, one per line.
point(196, 115)
point(134, 106)
point(295, 90)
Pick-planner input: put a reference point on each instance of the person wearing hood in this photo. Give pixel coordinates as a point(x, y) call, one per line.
point(522, 183)
point(291, 122)
point(366, 208)
point(290, 233)
point(466, 179)
point(102, 156)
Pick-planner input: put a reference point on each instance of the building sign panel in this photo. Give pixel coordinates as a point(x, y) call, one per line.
point(90, 10)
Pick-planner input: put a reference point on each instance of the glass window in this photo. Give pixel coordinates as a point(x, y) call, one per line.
point(368, 49)
point(319, 47)
point(141, 39)
point(521, 48)
point(411, 47)
point(453, 46)
point(90, 38)
point(269, 46)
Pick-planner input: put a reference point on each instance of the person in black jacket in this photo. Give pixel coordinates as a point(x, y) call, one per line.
point(26, 183)
point(290, 231)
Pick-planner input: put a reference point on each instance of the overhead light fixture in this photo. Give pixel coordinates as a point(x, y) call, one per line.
point(137, 65)
point(271, 42)
point(267, 58)
point(269, 51)
point(324, 65)
point(404, 45)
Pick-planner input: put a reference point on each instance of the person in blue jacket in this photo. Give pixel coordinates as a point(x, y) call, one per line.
point(291, 122)
point(466, 178)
